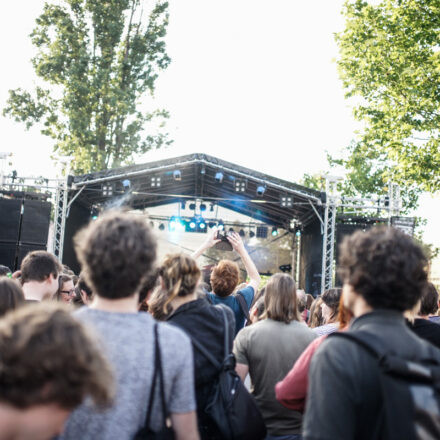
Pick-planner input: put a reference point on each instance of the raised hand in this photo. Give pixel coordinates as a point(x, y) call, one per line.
point(236, 242)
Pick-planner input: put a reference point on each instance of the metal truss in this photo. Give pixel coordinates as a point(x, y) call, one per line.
point(391, 205)
point(60, 214)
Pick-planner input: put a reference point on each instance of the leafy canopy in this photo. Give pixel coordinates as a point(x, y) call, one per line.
point(96, 60)
point(390, 65)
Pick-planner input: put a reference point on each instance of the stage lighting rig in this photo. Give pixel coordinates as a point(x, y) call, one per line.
point(219, 177)
point(240, 185)
point(286, 201)
point(107, 189)
point(155, 182)
point(261, 189)
point(177, 175)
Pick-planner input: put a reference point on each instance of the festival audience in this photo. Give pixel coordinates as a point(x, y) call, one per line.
point(315, 317)
point(116, 253)
point(49, 363)
point(433, 313)
point(292, 390)
point(257, 310)
point(4, 271)
point(268, 349)
point(39, 273)
point(11, 295)
point(203, 323)
point(329, 310)
point(383, 273)
point(66, 289)
point(225, 277)
point(83, 293)
point(418, 318)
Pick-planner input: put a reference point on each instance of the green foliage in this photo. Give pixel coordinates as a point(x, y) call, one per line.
point(97, 60)
point(390, 64)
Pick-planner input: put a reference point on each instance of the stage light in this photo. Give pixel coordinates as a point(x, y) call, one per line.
point(203, 170)
point(252, 234)
point(286, 201)
point(202, 224)
point(161, 227)
point(219, 177)
point(155, 182)
point(192, 224)
point(242, 233)
point(274, 232)
point(126, 184)
point(211, 207)
point(261, 190)
point(94, 212)
point(211, 224)
point(192, 206)
point(176, 224)
point(240, 185)
point(107, 189)
point(202, 207)
point(231, 230)
point(298, 233)
point(221, 225)
point(177, 175)
point(183, 205)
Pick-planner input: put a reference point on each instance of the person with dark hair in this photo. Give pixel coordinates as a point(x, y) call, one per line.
point(5, 271)
point(419, 321)
point(49, 364)
point(117, 252)
point(329, 309)
point(384, 274)
point(39, 275)
point(66, 289)
point(147, 288)
point(225, 278)
point(83, 293)
point(315, 317)
point(204, 324)
point(11, 295)
point(433, 313)
point(268, 349)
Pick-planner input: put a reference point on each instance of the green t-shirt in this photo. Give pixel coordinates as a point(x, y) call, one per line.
point(270, 348)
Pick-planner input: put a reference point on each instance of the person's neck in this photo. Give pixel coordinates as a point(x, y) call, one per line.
point(36, 291)
point(9, 420)
point(360, 307)
point(121, 305)
point(180, 300)
point(423, 316)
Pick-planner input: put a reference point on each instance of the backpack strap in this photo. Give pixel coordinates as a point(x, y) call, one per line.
point(243, 305)
point(360, 338)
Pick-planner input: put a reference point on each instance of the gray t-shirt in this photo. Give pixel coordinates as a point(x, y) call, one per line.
point(128, 340)
point(270, 348)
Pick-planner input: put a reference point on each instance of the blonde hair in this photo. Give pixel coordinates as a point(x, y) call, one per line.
point(180, 276)
point(280, 299)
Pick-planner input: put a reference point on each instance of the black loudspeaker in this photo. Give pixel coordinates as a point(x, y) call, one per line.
point(7, 254)
point(24, 249)
point(35, 222)
point(10, 213)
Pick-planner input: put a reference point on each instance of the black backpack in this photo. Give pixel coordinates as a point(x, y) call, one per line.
point(410, 391)
point(230, 406)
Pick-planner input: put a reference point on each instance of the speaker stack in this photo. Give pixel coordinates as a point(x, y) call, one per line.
point(24, 227)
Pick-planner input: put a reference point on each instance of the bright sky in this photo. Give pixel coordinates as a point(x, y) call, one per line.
point(251, 81)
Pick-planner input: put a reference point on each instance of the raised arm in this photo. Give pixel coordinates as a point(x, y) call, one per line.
point(251, 269)
point(208, 243)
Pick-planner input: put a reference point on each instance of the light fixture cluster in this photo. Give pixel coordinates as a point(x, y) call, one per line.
point(286, 201)
point(155, 181)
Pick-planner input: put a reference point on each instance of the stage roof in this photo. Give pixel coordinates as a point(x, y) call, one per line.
point(198, 181)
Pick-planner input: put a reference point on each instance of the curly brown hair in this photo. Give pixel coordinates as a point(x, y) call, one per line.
point(385, 266)
point(180, 275)
point(49, 357)
point(224, 278)
point(116, 252)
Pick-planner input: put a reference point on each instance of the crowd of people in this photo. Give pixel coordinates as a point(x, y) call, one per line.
point(133, 347)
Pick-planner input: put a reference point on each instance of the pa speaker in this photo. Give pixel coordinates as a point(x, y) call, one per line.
point(10, 213)
point(24, 249)
point(8, 254)
point(35, 222)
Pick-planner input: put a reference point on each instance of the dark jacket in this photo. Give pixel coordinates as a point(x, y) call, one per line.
point(427, 330)
point(344, 397)
point(204, 322)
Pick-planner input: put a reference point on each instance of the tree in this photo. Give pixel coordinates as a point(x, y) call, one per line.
point(97, 60)
point(390, 63)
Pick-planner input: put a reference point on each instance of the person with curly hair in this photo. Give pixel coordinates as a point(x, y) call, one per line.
point(329, 310)
point(384, 274)
point(49, 364)
point(225, 277)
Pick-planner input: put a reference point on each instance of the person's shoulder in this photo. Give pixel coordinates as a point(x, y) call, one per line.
point(172, 333)
point(246, 291)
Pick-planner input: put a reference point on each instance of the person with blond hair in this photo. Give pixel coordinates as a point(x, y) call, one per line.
point(226, 276)
point(268, 349)
point(202, 322)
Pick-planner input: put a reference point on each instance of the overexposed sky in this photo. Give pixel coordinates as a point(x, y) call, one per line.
point(251, 81)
